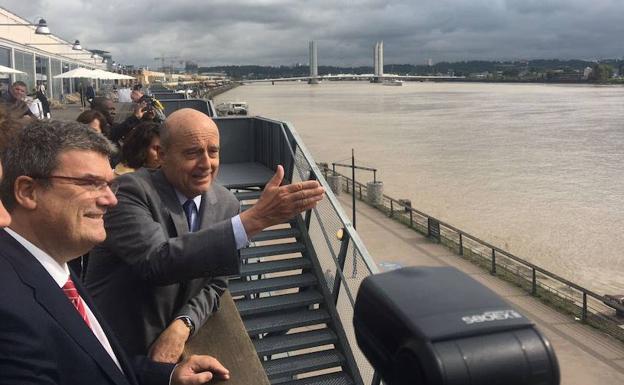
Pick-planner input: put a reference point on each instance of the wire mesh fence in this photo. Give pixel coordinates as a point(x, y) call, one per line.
point(342, 256)
point(587, 306)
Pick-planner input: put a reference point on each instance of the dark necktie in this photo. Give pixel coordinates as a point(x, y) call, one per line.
point(190, 209)
point(72, 294)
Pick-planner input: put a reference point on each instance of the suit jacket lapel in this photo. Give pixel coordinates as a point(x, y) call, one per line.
point(50, 296)
point(206, 210)
point(117, 349)
point(170, 200)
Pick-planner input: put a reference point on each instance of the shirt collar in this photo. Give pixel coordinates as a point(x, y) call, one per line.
point(182, 199)
point(60, 273)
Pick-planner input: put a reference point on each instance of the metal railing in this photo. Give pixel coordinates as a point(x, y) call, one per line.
point(343, 258)
point(570, 298)
point(339, 255)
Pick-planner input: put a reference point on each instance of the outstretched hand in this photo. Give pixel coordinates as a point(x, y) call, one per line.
point(278, 204)
point(198, 370)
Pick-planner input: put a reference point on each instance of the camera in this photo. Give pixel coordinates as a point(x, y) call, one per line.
point(149, 103)
point(438, 326)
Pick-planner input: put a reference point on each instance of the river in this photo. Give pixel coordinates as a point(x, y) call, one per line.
point(537, 170)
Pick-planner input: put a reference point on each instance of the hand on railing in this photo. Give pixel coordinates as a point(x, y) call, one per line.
point(198, 370)
point(278, 204)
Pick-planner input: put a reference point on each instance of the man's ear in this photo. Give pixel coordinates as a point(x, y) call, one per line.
point(26, 191)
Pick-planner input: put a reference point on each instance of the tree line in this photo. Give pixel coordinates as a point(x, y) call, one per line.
point(542, 67)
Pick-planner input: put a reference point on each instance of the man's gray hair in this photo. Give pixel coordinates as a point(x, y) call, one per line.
point(35, 150)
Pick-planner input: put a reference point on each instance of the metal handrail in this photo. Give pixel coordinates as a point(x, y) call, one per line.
point(325, 235)
point(344, 285)
point(348, 225)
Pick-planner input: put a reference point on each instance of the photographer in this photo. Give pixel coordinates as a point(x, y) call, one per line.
point(147, 109)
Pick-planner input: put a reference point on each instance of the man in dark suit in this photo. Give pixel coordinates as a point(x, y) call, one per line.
point(152, 248)
point(57, 186)
point(15, 104)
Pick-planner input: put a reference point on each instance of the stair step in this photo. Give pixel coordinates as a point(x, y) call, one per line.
point(247, 307)
point(340, 378)
point(296, 341)
point(281, 380)
point(247, 195)
point(259, 268)
point(285, 321)
point(303, 363)
point(271, 284)
point(268, 250)
point(276, 234)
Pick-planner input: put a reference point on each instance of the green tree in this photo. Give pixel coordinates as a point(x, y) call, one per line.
point(601, 73)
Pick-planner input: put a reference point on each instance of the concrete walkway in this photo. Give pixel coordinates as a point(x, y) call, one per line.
point(586, 356)
point(71, 111)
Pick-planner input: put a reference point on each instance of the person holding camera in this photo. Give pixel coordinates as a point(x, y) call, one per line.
point(117, 132)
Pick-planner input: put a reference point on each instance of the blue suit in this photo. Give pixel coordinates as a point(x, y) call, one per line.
point(43, 339)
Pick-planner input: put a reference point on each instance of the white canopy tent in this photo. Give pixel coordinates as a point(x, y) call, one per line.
point(80, 72)
point(106, 75)
point(9, 70)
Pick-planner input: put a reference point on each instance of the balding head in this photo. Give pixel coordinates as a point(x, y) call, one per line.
point(182, 120)
point(189, 151)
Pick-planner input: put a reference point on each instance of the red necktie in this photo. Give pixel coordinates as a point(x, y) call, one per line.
point(72, 294)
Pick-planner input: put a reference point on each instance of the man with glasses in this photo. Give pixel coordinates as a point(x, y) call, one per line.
point(57, 186)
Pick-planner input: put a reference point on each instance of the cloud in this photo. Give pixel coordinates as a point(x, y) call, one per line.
point(276, 32)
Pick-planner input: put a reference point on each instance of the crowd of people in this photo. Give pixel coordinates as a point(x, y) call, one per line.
point(156, 239)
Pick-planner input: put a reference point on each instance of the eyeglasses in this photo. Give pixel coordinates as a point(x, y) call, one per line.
point(91, 184)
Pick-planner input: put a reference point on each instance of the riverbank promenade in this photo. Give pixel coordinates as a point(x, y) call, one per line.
point(586, 356)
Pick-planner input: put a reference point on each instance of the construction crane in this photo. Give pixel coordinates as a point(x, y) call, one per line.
point(162, 59)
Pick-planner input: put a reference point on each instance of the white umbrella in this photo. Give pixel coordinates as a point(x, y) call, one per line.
point(9, 70)
point(106, 75)
point(80, 72)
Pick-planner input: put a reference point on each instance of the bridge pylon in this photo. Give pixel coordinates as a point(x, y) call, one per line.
point(378, 62)
point(313, 64)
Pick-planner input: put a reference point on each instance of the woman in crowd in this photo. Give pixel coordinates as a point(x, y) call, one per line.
point(93, 119)
point(140, 148)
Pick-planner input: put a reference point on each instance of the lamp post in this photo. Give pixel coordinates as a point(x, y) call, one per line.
point(42, 26)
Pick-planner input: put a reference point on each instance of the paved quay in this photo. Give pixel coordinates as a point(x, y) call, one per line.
point(586, 356)
point(71, 111)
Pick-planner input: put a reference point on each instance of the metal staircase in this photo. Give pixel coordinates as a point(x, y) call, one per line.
point(288, 311)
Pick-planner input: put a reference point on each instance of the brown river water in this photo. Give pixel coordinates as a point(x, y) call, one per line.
point(537, 170)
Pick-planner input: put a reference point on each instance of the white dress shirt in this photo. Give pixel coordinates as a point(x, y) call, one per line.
point(60, 275)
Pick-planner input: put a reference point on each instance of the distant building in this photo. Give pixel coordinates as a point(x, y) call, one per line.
point(480, 75)
point(430, 62)
point(587, 73)
point(561, 76)
point(145, 76)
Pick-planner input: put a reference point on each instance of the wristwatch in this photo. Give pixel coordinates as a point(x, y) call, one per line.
point(189, 324)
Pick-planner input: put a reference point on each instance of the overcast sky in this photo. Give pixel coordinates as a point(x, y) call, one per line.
point(275, 32)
